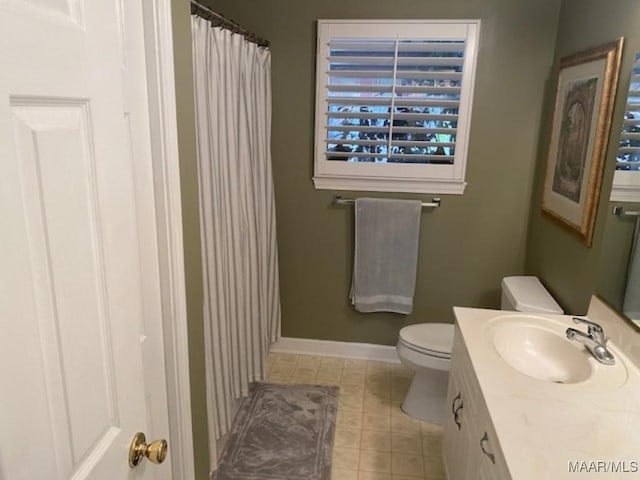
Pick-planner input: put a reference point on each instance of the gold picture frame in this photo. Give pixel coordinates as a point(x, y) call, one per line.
point(587, 83)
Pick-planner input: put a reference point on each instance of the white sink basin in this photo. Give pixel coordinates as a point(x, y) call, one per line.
point(540, 352)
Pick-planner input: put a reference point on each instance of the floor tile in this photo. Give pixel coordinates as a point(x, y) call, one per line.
point(428, 476)
point(431, 428)
point(407, 464)
point(347, 437)
point(374, 440)
point(345, 458)
point(400, 371)
point(400, 382)
point(270, 361)
point(379, 377)
point(303, 380)
point(376, 422)
point(349, 419)
point(399, 392)
point(331, 375)
point(282, 369)
point(351, 402)
point(433, 467)
point(286, 358)
point(401, 422)
point(309, 361)
point(353, 363)
point(349, 376)
point(375, 461)
point(341, 474)
point(376, 406)
point(432, 445)
point(352, 389)
point(377, 390)
point(396, 408)
point(329, 370)
point(373, 476)
point(326, 380)
point(305, 371)
point(378, 366)
point(332, 362)
point(277, 378)
point(406, 443)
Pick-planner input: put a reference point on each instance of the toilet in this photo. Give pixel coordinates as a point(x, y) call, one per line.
point(426, 347)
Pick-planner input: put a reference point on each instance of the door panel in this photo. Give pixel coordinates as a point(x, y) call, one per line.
point(53, 150)
point(72, 384)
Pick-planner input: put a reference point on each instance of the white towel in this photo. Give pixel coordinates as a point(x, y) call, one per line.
point(386, 254)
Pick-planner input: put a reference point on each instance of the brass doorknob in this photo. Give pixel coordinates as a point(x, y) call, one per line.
point(156, 451)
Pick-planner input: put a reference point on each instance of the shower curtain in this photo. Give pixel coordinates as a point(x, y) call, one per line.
point(241, 298)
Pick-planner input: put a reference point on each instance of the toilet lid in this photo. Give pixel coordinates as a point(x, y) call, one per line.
point(429, 337)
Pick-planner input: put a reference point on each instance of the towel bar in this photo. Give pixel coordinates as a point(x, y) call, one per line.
point(621, 212)
point(339, 200)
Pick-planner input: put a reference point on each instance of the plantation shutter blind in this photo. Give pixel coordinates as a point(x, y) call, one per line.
point(394, 102)
point(626, 180)
point(629, 150)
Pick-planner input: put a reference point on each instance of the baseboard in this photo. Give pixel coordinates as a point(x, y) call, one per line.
point(330, 348)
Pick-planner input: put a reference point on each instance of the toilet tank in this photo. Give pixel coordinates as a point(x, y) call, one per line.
point(527, 294)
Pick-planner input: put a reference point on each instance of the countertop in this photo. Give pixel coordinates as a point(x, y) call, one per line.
point(550, 431)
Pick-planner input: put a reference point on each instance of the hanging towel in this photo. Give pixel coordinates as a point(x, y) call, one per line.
point(631, 304)
point(386, 254)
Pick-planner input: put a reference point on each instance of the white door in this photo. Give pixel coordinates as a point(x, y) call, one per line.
point(79, 304)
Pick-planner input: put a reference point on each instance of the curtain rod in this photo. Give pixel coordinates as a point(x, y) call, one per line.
point(224, 22)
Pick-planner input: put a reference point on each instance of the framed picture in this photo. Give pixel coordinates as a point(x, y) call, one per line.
point(585, 95)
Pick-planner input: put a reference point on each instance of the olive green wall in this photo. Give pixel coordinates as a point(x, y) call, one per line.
point(191, 231)
point(469, 243)
point(568, 268)
point(614, 257)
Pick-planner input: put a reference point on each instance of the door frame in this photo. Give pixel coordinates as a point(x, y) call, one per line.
point(158, 29)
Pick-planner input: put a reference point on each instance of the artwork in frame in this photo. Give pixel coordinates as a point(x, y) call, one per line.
point(587, 83)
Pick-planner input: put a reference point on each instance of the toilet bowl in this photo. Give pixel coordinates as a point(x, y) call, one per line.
point(426, 348)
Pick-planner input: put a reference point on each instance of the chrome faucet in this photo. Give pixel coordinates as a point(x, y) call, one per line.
point(594, 340)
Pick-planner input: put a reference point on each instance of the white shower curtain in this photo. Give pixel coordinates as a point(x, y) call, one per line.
point(242, 298)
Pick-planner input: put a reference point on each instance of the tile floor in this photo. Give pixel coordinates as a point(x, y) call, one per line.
point(374, 439)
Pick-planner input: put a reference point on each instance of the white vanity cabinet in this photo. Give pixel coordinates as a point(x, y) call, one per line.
point(470, 446)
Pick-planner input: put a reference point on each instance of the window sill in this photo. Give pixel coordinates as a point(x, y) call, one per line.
point(626, 186)
point(397, 185)
point(625, 193)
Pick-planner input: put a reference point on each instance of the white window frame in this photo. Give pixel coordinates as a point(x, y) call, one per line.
point(395, 177)
point(626, 186)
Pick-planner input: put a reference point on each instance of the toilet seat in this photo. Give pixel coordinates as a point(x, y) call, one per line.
point(433, 339)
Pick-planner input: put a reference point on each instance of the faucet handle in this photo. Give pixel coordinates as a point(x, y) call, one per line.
point(592, 325)
point(594, 329)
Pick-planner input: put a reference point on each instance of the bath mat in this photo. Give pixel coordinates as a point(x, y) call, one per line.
point(282, 432)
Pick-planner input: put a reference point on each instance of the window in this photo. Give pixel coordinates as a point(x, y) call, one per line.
point(393, 104)
point(626, 180)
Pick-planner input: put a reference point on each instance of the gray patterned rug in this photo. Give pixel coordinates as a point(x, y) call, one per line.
point(282, 432)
